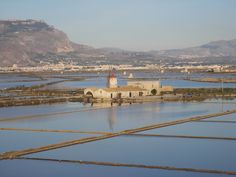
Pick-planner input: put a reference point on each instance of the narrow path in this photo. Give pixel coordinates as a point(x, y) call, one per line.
point(133, 165)
point(14, 154)
point(216, 121)
point(107, 133)
point(185, 136)
point(55, 131)
point(50, 114)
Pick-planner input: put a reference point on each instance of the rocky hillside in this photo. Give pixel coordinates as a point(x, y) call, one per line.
point(32, 43)
point(22, 42)
point(216, 49)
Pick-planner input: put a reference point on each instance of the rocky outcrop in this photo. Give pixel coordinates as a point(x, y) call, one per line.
point(21, 41)
point(32, 42)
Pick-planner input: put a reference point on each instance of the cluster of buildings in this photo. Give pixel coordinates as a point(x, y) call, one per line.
point(74, 67)
point(61, 67)
point(134, 89)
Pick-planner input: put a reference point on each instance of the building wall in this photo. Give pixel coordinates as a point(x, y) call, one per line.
point(97, 93)
point(101, 93)
point(112, 82)
point(148, 85)
point(167, 89)
point(128, 94)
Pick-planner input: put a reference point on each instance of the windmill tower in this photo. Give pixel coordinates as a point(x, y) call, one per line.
point(112, 79)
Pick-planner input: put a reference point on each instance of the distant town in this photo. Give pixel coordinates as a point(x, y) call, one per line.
point(74, 67)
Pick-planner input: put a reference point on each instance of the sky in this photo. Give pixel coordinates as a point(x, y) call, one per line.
point(140, 25)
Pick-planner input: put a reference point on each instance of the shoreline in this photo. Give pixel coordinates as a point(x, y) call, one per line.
point(11, 102)
point(213, 80)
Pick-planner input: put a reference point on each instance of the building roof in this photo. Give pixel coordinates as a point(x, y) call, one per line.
point(144, 81)
point(123, 89)
point(117, 89)
point(92, 88)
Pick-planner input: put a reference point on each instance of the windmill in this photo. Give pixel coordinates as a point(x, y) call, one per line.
point(112, 79)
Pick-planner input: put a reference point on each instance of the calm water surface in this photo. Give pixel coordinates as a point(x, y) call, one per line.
point(180, 83)
point(115, 118)
point(188, 153)
point(99, 80)
point(49, 169)
point(12, 140)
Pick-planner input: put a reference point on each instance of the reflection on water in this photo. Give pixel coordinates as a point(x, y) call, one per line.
point(112, 117)
point(106, 118)
point(194, 153)
point(191, 153)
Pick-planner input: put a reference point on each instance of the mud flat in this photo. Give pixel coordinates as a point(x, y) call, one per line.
point(225, 80)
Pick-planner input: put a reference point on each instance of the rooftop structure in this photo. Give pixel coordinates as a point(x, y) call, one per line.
point(132, 90)
point(153, 86)
point(112, 79)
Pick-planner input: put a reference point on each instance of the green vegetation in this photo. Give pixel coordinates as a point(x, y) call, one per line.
point(154, 91)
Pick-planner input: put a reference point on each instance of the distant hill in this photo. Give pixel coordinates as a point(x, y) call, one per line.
point(217, 52)
point(212, 49)
point(22, 42)
point(32, 42)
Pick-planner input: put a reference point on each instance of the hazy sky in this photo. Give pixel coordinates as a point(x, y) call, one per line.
point(132, 24)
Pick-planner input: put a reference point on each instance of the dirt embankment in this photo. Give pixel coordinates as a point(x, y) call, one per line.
point(217, 80)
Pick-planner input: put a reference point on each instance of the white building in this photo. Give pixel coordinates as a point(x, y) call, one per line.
point(112, 80)
point(154, 87)
point(132, 90)
point(118, 92)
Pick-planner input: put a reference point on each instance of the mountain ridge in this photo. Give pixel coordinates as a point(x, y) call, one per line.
point(33, 42)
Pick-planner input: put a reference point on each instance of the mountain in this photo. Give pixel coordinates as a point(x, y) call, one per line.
point(25, 42)
point(33, 43)
point(212, 49)
point(223, 51)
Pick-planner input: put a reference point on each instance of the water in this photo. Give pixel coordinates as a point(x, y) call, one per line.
point(177, 75)
point(178, 152)
point(189, 153)
point(13, 80)
point(15, 77)
point(198, 129)
point(13, 140)
point(11, 112)
point(99, 82)
point(39, 169)
point(192, 84)
point(115, 118)
point(186, 153)
point(176, 80)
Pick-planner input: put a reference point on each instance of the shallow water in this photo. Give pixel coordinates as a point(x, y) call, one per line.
point(178, 152)
point(180, 83)
point(9, 80)
point(99, 82)
point(192, 84)
point(189, 153)
point(48, 169)
point(100, 79)
point(115, 118)
point(10, 112)
point(15, 140)
point(199, 129)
